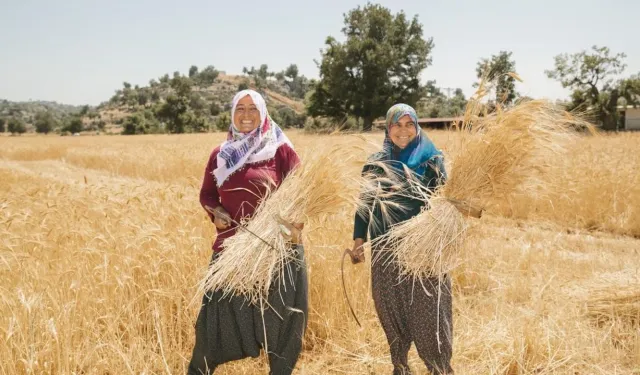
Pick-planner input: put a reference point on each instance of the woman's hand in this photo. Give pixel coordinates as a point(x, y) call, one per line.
point(221, 218)
point(291, 232)
point(357, 253)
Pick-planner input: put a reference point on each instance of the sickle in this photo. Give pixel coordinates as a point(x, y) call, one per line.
point(238, 225)
point(344, 289)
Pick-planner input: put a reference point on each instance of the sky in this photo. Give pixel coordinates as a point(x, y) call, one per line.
point(80, 52)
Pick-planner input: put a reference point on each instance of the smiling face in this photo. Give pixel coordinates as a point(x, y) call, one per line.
point(246, 116)
point(403, 132)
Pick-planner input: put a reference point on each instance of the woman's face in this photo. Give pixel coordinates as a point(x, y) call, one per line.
point(246, 116)
point(403, 132)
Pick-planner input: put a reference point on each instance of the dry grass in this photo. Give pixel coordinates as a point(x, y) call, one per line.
point(103, 242)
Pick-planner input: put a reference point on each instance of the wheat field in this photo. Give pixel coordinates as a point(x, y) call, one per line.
point(103, 242)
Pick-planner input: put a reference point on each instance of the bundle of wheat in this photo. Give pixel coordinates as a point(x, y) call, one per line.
point(502, 154)
point(259, 252)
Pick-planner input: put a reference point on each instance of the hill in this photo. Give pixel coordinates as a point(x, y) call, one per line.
point(197, 102)
point(27, 111)
point(200, 101)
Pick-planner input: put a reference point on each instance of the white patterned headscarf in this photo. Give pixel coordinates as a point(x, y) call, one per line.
point(258, 145)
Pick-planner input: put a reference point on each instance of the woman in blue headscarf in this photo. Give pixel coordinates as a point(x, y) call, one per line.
point(409, 312)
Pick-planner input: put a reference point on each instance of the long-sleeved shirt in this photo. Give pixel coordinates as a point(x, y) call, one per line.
point(373, 223)
point(242, 192)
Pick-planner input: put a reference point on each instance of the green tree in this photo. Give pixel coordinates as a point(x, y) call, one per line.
point(291, 71)
point(172, 112)
point(214, 109)
point(378, 65)
point(182, 85)
point(198, 104)
point(2, 123)
point(128, 96)
point(84, 110)
point(263, 73)
point(193, 71)
point(154, 95)
point(16, 126)
point(74, 125)
point(135, 124)
point(591, 77)
point(243, 86)
point(207, 76)
point(223, 121)
point(436, 104)
point(259, 75)
point(44, 122)
point(497, 68)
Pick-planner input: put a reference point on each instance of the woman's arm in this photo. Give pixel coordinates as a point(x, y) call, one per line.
point(361, 221)
point(287, 161)
point(435, 174)
point(209, 196)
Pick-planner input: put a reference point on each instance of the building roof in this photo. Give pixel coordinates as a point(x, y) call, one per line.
point(430, 120)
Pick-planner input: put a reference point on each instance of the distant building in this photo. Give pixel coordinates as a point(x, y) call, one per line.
point(434, 123)
point(630, 117)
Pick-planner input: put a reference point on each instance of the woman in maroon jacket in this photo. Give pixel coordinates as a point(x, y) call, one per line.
point(256, 152)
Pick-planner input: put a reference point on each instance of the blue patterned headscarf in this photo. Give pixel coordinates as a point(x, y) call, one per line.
point(418, 152)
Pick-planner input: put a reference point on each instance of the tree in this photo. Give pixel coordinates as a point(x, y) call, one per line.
point(16, 126)
point(223, 121)
point(44, 122)
point(135, 124)
point(84, 110)
point(243, 86)
point(74, 125)
point(164, 79)
point(263, 73)
point(207, 76)
point(172, 113)
point(591, 76)
point(143, 96)
point(2, 122)
point(259, 76)
point(214, 109)
point(496, 69)
point(198, 104)
point(439, 105)
point(193, 71)
point(291, 71)
point(378, 65)
point(182, 85)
